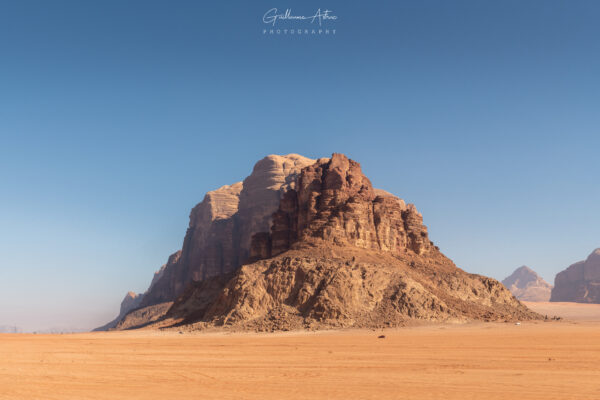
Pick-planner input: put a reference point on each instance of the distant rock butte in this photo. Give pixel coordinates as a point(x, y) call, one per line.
point(323, 249)
point(526, 285)
point(580, 282)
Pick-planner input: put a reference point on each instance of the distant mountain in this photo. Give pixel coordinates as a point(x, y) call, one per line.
point(525, 284)
point(580, 282)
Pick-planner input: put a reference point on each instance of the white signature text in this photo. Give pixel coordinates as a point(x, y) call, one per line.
point(273, 16)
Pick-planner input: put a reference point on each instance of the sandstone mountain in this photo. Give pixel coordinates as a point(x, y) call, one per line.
point(221, 226)
point(334, 252)
point(526, 285)
point(580, 282)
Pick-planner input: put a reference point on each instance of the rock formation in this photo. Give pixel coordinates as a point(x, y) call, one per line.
point(339, 254)
point(336, 203)
point(221, 226)
point(580, 282)
point(131, 301)
point(526, 285)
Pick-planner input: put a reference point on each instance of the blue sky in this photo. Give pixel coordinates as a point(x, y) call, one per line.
point(116, 117)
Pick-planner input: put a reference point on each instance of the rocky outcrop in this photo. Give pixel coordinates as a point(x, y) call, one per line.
point(130, 302)
point(159, 274)
point(144, 316)
point(221, 226)
point(336, 203)
point(339, 287)
point(341, 254)
point(526, 285)
point(208, 246)
point(270, 179)
point(580, 282)
point(133, 301)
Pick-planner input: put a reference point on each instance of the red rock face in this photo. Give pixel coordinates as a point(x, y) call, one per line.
point(335, 202)
point(580, 282)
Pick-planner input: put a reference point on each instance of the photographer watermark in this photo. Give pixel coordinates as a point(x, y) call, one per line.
point(319, 23)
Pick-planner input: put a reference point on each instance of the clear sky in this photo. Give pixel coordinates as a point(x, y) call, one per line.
point(117, 116)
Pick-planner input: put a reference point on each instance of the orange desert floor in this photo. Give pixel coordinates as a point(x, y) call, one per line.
point(543, 360)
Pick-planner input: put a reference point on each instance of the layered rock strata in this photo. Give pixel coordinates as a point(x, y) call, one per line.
point(335, 202)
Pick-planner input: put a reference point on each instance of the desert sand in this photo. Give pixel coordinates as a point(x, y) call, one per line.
point(534, 360)
point(570, 311)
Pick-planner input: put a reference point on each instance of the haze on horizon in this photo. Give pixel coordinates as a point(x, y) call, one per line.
point(117, 118)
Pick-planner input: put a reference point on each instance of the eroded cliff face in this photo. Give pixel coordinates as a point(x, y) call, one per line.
point(580, 282)
point(525, 284)
point(160, 290)
point(335, 202)
point(221, 226)
point(218, 238)
point(271, 178)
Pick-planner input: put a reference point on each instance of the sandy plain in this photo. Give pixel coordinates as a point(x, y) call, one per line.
point(570, 311)
point(543, 360)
